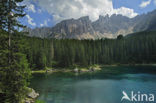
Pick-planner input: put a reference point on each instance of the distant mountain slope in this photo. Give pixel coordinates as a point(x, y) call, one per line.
point(73, 28)
point(109, 27)
point(39, 32)
point(115, 25)
point(145, 22)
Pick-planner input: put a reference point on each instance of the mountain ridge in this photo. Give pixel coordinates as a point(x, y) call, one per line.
point(104, 27)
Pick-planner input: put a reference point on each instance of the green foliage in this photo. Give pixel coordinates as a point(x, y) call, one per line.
point(39, 101)
point(14, 77)
point(14, 69)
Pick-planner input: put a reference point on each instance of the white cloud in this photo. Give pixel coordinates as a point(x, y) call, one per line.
point(31, 8)
point(66, 9)
point(30, 20)
point(126, 12)
point(45, 23)
point(145, 4)
point(41, 25)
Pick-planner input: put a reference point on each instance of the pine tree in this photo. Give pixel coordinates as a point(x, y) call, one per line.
point(14, 69)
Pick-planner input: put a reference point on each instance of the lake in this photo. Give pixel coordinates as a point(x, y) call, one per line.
point(105, 86)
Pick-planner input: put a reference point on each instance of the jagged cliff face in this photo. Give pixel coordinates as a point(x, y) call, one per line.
point(83, 28)
point(72, 28)
point(109, 27)
point(38, 32)
point(115, 25)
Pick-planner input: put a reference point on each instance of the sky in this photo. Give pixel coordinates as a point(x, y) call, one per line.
point(46, 13)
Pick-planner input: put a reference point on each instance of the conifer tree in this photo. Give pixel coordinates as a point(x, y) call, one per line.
point(14, 69)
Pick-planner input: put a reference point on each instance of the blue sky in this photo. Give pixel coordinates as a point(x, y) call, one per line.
point(135, 4)
point(43, 13)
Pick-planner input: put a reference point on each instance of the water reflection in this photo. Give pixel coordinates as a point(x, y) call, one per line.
point(100, 87)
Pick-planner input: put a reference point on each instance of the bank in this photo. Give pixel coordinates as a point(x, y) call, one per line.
point(78, 69)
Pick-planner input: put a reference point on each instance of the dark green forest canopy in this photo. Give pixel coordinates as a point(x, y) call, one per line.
point(135, 48)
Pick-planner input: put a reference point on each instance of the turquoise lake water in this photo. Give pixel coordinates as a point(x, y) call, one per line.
point(105, 86)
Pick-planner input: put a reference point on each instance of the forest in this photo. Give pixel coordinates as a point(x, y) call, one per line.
point(137, 48)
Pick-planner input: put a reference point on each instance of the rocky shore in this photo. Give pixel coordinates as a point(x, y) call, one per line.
point(74, 70)
point(31, 96)
point(90, 69)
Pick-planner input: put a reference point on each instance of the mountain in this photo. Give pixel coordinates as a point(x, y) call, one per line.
point(114, 25)
point(38, 32)
point(145, 22)
point(105, 26)
point(80, 28)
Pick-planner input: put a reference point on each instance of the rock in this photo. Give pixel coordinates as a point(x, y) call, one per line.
point(84, 70)
point(33, 94)
point(49, 70)
point(76, 70)
point(27, 101)
point(91, 69)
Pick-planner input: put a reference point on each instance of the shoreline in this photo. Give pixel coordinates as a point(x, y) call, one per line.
point(86, 69)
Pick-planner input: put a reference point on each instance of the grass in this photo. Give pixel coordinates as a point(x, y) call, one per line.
point(39, 101)
point(39, 71)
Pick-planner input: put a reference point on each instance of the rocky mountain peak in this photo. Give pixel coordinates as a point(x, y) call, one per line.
point(84, 18)
point(105, 26)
